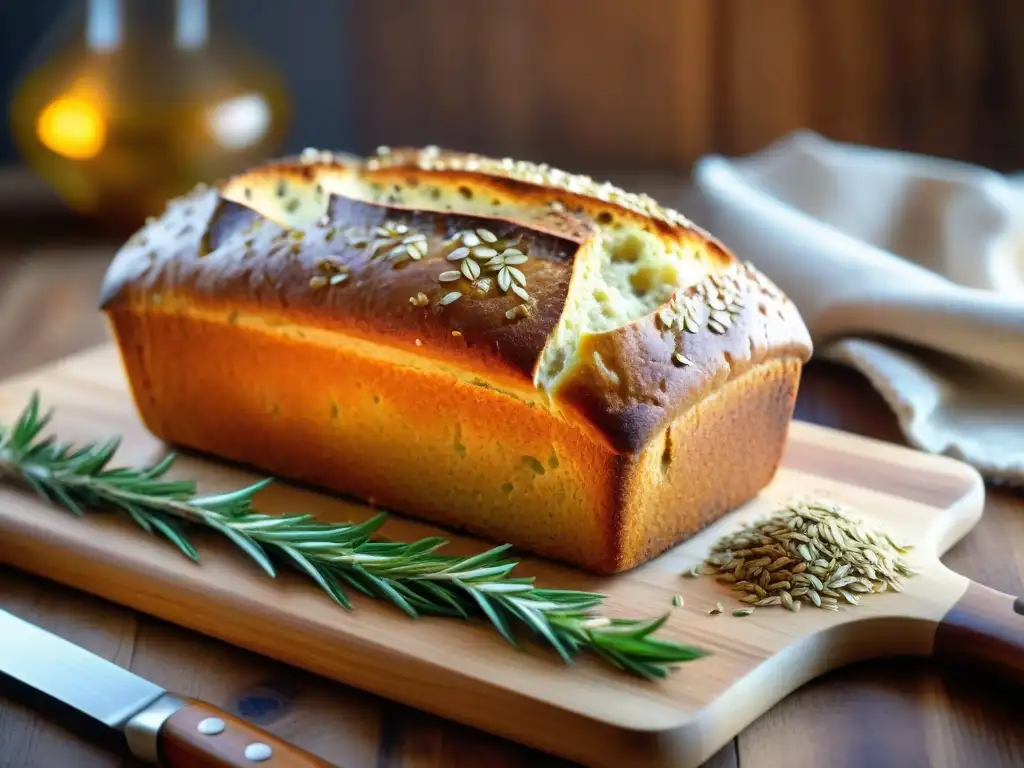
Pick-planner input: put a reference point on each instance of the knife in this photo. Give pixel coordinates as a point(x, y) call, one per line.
point(159, 727)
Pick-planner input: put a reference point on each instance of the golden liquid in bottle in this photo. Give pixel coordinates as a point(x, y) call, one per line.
point(133, 114)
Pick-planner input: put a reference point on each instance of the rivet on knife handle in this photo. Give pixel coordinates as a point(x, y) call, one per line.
point(194, 733)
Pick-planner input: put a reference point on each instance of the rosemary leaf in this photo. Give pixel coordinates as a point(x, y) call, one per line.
point(247, 545)
point(441, 598)
point(232, 500)
point(412, 576)
point(496, 618)
point(321, 576)
point(170, 529)
point(352, 581)
point(159, 469)
point(538, 622)
point(39, 488)
point(635, 629)
point(482, 559)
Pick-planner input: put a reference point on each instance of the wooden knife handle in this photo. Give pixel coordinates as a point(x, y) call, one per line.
point(201, 736)
point(985, 627)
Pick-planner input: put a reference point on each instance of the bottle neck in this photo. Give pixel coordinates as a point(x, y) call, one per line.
point(107, 22)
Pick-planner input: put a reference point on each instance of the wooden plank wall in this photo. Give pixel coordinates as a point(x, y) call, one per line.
point(653, 84)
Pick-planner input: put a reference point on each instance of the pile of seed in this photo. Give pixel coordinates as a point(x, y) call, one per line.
point(810, 552)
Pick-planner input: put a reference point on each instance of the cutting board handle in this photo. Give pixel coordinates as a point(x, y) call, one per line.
point(984, 627)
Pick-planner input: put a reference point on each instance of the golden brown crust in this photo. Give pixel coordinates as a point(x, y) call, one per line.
point(456, 452)
point(211, 251)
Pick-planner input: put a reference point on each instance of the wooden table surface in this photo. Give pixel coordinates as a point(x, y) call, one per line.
point(904, 713)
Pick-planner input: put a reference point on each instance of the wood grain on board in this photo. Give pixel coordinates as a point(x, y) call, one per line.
point(906, 712)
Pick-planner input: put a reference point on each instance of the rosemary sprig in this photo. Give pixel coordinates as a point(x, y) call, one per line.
point(411, 576)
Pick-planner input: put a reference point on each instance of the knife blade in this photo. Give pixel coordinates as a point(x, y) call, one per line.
point(159, 727)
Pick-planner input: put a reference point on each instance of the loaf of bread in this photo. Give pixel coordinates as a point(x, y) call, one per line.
point(493, 345)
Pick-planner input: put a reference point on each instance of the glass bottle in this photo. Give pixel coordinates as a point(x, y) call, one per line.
point(142, 105)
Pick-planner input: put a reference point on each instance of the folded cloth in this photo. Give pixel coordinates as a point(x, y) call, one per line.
point(908, 268)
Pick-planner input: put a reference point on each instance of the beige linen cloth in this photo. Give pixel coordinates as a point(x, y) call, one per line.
point(908, 268)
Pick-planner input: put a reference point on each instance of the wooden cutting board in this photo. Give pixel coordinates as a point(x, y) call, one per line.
point(585, 712)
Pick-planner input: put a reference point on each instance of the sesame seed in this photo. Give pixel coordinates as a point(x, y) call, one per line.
point(448, 298)
point(519, 310)
point(449, 276)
